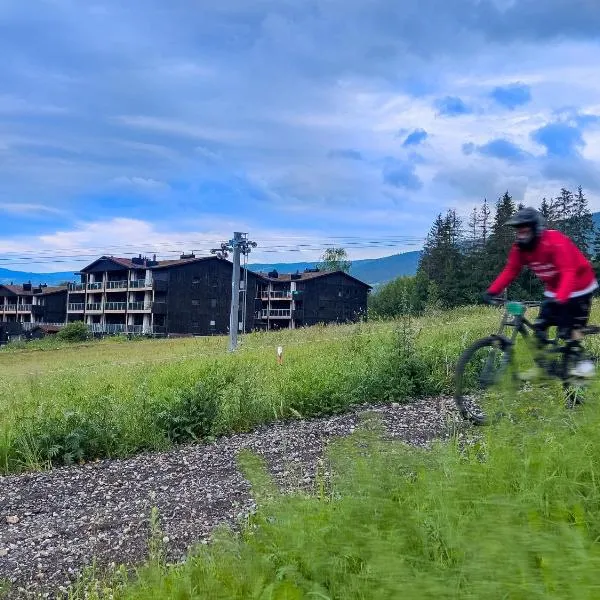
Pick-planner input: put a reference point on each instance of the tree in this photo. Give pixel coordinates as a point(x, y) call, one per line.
point(484, 220)
point(335, 259)
point(582, 223)
point(564, 207)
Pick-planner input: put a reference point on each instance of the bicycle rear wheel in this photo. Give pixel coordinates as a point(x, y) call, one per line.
point(480, 366)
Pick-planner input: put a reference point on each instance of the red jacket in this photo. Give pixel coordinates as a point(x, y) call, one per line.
point(556, 260)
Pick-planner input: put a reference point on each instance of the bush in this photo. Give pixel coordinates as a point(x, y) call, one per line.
point(74, 332)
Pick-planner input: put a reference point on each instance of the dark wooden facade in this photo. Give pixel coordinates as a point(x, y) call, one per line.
point(304, 299)
point(198, 299)
point(331, 298)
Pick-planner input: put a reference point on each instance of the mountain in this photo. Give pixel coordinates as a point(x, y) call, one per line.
point(373, 271)
point(7, 276)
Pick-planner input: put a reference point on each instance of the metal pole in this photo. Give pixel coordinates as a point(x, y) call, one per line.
point(235, 292)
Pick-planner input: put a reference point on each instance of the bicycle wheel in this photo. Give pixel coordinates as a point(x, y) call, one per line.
point(480, 367)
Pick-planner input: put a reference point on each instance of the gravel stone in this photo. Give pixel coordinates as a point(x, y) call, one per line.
point(57, 522)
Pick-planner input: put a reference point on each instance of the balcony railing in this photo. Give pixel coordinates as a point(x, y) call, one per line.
point(24, 307)
point(77, 287)
point(75, 307)
point(115, 328)
point(276, 295)
point(139, 306)
point(94, 306)
point(115, 305)
point(8, 308)
point(276, 313)
point(140, 283)
point(97, 285)
point(116, 285)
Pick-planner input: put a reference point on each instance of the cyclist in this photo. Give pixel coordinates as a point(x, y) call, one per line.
point(567, 275)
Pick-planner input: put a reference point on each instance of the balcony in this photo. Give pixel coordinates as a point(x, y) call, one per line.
point(276, 295)
point(8, 308)
point(24, 307)
point(97, 285)
point(76, 287)
point(138, 284)
point(139, 306)
point(116, 285)
point(276, 313)
point(75, 307)
point(94, 307)
point(115, 306)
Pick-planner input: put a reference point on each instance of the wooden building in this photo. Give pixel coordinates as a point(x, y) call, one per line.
point(189, 295)
point(304, 299)
point(29, 304)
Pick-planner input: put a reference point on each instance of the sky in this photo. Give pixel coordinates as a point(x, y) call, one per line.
point(151, 126)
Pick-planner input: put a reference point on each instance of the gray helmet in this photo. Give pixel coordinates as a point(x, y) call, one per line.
point(528, 217)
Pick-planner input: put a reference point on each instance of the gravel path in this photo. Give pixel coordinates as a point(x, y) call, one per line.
point(52, 524)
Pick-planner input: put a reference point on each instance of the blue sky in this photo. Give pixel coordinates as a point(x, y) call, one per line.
point(165, 126)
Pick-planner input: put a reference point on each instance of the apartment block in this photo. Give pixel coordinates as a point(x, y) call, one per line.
point(304, 299)
point(29, 304)
point(188, 295)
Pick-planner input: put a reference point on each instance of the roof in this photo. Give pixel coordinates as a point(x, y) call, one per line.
point(53, 289)
point(19, 291)
point(310, 275)
point(182, 261)
point(128, 263)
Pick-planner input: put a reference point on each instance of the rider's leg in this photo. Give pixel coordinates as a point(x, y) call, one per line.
point(544, 321)
point(577, 314)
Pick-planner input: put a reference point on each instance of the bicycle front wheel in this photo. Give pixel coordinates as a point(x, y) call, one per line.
point(480, 367)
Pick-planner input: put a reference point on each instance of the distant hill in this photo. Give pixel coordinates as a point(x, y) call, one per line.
point(372, 271)
point(7, 276)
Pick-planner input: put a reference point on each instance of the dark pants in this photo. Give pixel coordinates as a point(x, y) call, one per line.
point(572, 315)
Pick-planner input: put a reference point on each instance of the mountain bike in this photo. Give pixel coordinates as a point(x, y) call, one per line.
point(488, 360)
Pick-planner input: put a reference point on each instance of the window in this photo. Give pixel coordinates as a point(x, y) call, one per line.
point(195, 302)
point(196, 280)
point(213, 303)
point(212, 323)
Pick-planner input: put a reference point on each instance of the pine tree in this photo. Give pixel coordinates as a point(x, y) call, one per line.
point(484, 221)
point(473, 225)
point(564, 206)
point(581, 224)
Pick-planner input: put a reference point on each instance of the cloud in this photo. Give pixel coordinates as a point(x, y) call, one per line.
point(402, 175)
point(28, 209)
point(259, 112)
point(559, 139)
point(415, 138)
point(145, 183)
point(498, 148)
point(512, 96)
point(348, 154)
point(452, 106)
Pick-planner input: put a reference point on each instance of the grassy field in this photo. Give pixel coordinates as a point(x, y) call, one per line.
point(514, 514)
point(68, 403)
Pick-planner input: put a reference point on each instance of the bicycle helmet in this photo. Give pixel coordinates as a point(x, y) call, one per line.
point(527, 217)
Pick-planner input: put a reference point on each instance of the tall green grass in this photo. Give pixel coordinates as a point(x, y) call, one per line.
point(112, 399)
point(514, 514)
point(83, 409)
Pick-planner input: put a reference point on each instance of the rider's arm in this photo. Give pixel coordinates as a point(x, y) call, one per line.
point(509, 274)
point(565, 259)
